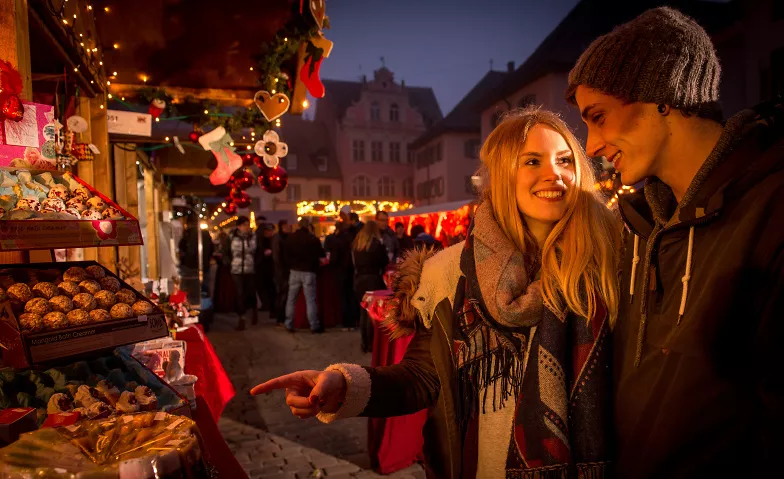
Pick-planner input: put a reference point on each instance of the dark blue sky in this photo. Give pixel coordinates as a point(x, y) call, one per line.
point(446, 45)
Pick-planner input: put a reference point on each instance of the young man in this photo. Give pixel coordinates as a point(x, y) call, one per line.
point(302, 254)
point(388, 237)
point(699, 391)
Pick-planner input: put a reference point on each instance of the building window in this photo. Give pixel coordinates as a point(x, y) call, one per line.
point(411, 156)
point(386, 187)
point(293, 193)
point(526, 101)
point(394, 152)
point(360, 186)
point(431, 189)
point(376, 151)
point(408, 187)
point(471, 149)
point(394, 113)
point(375, 111)
point(439, 152)
point(321, 163)
point(325, 192)
point(291, 161)
point(359, 150)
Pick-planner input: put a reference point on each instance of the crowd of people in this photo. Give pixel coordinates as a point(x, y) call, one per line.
point(534, 354)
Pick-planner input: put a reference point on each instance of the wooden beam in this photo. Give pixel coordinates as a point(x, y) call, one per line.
point(152, 224)
point(185, 170)
point(239, 97)
point(103, 173)
point(84, 169)
point(126, 176)
point(15, 49)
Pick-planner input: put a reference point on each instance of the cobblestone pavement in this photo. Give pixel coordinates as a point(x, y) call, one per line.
point(267, 440)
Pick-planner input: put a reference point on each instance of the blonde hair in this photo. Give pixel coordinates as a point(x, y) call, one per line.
point(365, 236)
point(579, 258)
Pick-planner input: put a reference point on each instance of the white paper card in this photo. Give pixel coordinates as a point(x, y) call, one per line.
point(94, 149)
point(25, 132)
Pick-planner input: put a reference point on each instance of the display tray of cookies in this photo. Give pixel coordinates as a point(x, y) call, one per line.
point(50, 311)
point(51, 209)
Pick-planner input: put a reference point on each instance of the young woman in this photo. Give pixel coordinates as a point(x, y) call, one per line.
point(370, 259)
point(510, 327)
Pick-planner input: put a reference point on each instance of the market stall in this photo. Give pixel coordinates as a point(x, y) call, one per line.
point(446, 222)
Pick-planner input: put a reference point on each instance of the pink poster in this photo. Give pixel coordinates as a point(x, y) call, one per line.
point(30, 143)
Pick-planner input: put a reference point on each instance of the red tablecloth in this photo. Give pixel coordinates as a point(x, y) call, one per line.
point(213, 385)
point(327, 299)
point(393, 443)
point(216, 451)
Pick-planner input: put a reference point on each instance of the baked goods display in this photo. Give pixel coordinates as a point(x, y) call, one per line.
point(134, 446)
point(49, 299)
point(24, 195)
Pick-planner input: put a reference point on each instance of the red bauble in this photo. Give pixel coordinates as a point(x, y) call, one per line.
point(230, 209)
point(235, 193)
point(273, 180)
point(259, 161)
point(154, 111)
point(247, 159)
point(194, 136)
point(243, 202)
point(13, 109)
point(244, 180)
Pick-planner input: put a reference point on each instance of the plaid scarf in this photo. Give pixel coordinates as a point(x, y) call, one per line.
point(562, 397)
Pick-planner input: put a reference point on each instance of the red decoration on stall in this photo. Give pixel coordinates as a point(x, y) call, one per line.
point(273, 180)
point(156, 108)
point(10, 89)
point(231, 209)
point(236, 193)
point(310, 78)
point(244, 180)
point(247, 159)
point(194, 135)
point(243, 201)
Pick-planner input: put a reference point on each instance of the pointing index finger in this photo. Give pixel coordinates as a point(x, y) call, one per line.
point(282, 382)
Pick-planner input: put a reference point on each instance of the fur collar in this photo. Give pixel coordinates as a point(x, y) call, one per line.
point(424, 279)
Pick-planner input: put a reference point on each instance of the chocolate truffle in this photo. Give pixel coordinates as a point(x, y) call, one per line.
point(38, 306)
point(89, 286)
point(99, 315)
point(45, 290)
point(78, 317)
point(20, 292)
point(62, 304)
point(75, 274)
point(142, 307)
point(121, 311)
point(55, 320)
point(110, 283)
point(84, 301)
point(105, 299)
point(112, 213)
point(96, 271)
point(31, 322)
point(96, 203)
point(69, 288)
point(126, 296)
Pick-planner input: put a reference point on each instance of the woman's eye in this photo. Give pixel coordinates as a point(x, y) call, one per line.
point(568, 160)
point(532, 162)
point(597, 118)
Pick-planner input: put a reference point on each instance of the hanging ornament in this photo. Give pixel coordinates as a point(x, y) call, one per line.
point(230, 209)
point(243, 201)
point(274, 180)
point(235, 193)
point(77, 124)
point(319, 11)
point(10, 89)
point(244, 180)
point(248, 159)
point(271, 149)
point(156, 107)
point(219, 142)
point(271, 106)
point(310, 78)
point(195, 134)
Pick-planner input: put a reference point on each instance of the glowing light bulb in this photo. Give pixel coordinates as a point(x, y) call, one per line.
point(206, 112)
point(247, 147)
point(110, 96)
point(251, 68)
point(114, 73)
point(116, 46)
point(222, 204)
point(305, 103)
point(167, 138)
point(106, 9)
point(157, 120)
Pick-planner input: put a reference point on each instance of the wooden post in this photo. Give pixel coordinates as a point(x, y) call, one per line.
point(103, 174)
point(152, 224)
point(127, 194)
point(85, 169)
point(15, 49)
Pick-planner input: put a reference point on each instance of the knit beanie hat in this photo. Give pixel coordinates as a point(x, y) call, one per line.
point(662, 56)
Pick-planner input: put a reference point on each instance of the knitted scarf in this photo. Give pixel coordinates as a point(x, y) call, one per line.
point(511, 350)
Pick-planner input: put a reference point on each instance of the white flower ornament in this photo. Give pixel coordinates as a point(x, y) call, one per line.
point(271, 149)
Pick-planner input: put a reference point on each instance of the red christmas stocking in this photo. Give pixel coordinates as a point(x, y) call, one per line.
point(228, 163)
point(312, 81)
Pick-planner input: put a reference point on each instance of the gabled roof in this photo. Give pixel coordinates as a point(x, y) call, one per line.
point(588, 20)
point(343, 94)
point(465, 117)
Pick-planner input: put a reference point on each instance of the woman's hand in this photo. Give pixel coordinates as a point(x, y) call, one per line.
point(308, 392)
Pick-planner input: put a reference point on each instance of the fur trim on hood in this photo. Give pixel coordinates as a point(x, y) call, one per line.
point(424, 278)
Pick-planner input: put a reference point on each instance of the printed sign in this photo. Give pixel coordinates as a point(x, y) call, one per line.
point(129, 123)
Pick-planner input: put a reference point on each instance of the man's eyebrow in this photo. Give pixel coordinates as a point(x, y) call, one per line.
point(587, 110)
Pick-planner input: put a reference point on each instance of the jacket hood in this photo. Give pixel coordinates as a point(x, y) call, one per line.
point(750, 148)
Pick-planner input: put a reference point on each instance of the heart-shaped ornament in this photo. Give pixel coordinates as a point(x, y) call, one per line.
point(13, 109)
point(319, 11)
point(271, 106)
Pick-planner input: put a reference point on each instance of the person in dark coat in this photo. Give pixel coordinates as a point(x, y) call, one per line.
point(370, 260)
point(699, 390)
point(188, 251)
point(303, 254)
point(281, 275)
point(265, 268)
point(243, 270)
point(388, 236)
point(405, 241)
